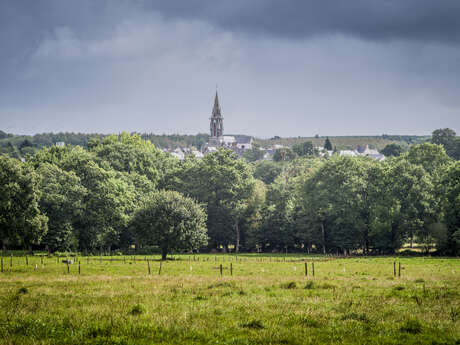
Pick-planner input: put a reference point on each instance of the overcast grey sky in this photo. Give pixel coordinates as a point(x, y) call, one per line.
point(288, 68)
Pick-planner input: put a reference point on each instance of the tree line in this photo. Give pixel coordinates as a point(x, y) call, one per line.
point(18, 146)
point(122, 192)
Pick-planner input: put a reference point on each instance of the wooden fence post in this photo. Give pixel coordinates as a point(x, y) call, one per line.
point(11, 260)
point(231, 269)
point(394, 268)
point(27, 260)
point(79, 267)
point(399, 270)
point(313, 268)
point(148, 265)
point(306, 269)
point(220, 267)
point(159, 271)
point(68, 267)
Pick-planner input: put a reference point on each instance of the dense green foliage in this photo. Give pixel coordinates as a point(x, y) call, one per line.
point(448, 139)
point(392, 150)
point(171, 221)
point(87, 199)
point(25, 144)
point(21, 222)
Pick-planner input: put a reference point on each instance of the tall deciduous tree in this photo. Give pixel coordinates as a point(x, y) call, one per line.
point(402, 204)
point(451, 181)
point(62, 197)
point(109, 200)
point(130, 153)
point(170, 221)
point(21, 222)
point(334, 198)
point(225, 184)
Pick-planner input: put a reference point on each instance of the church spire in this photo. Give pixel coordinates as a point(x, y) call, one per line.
point(217, 121)
point(216, 109)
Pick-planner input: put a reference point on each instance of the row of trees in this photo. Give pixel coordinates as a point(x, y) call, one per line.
point(122, 191)
point(21, 145)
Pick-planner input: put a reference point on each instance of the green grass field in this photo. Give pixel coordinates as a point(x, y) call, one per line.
point(267, 300)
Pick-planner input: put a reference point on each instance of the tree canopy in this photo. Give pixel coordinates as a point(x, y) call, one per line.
point(170, 221)
point(99, 197)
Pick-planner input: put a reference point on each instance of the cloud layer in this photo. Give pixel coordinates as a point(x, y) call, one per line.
point(283, 68)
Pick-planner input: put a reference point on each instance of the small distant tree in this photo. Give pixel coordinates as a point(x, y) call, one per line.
point(448, 139)
point(170, 221)
point(305, 149)
point(327, 144)
point(284, 154)
point(394, 150)
point(253, 154)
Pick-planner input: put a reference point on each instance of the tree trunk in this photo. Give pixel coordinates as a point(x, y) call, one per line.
point(237, 248)
point(164, 252)
point(324, 237)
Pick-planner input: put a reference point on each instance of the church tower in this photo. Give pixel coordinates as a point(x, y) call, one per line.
point(216, 124)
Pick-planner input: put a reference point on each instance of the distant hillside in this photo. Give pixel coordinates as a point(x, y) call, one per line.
point(348, 142)
point(19, 145)
point(48, 139)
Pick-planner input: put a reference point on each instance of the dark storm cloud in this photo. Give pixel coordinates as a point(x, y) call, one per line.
point(436, 20)
point(283, 67)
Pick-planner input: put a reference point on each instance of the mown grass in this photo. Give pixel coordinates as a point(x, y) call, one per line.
point(267, 300)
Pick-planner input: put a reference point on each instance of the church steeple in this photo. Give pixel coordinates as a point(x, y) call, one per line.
point(217, 121)
point(216, 109)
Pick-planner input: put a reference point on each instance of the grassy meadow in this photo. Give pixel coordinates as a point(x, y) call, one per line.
point(257, 300)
